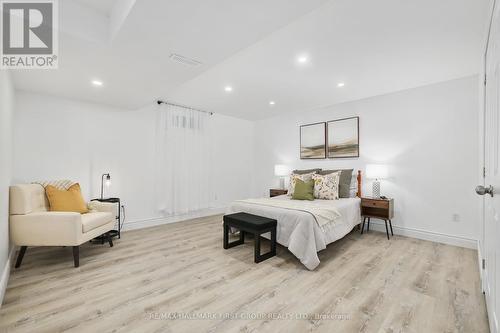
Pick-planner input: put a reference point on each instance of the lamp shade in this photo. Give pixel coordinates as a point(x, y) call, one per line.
point(376, 171)
point(107, 182)
point(280, 170)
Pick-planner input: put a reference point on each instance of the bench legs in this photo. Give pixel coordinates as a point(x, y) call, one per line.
point(261, 257)
point(228, 245)
point(257, 256)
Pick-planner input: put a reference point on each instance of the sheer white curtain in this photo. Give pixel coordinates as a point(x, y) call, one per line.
point(183, 154)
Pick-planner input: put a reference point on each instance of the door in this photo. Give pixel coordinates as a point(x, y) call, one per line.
point(491, 188)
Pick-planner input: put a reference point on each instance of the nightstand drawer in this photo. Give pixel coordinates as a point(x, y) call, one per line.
point(375, 203)
point(275, 192)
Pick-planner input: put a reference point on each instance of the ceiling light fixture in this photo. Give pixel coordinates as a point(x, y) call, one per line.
point(97, 83)
point(272, 103)
point(302, 59)
point(340, 84)
point(228, 88)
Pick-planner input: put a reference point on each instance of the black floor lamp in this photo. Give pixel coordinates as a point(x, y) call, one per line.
point(108, 182)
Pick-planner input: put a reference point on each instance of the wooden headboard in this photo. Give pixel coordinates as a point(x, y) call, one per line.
point(359, 184)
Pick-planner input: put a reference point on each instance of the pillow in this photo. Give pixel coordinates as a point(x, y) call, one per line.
point(293, 179)
point(326, 186)
point(354, 181)
point(303, 172)
point(353, 191)
point(66, 201)
point(304, 190)
point(344, 182)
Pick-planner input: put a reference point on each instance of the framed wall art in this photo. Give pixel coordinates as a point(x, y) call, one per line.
point(343, 138)
point(313, 141)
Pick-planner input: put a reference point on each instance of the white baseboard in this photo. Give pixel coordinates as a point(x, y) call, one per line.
point(6, 274)
point(427, 235)
point(139, 224)
point(374, 225)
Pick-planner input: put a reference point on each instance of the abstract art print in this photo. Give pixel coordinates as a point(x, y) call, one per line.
point(343, 138)
point(313, 141)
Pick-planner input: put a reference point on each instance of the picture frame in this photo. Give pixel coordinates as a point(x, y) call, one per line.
point(343, 138)
point(313, 141)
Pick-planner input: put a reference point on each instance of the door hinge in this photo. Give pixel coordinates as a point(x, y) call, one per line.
point(483, 264)
point(484, 79)
point(484, 172)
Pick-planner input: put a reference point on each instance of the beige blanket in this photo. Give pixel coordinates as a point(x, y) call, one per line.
point(323, 211)
point(63, 184)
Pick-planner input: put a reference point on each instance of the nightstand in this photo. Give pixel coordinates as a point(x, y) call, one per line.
point(274, 192)
point(379, 209)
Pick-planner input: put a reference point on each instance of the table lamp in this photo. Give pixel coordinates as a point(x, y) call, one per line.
point(376, 172)
point(281, 171)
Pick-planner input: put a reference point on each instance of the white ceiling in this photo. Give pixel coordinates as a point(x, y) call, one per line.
point(375, 47)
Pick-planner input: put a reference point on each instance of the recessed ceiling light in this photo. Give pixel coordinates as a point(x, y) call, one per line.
point(97, 83)
point(340, 84)
point(272, 103)
point(228, 88)
point(302, 59)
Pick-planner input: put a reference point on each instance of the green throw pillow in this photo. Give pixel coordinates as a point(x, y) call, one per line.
point(303, 190)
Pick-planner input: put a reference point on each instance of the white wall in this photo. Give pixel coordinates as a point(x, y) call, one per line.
point(56, 138)
point(6, 110)
point(427, 136)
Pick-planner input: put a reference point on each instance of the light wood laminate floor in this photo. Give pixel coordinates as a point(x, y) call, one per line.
point(151, 277)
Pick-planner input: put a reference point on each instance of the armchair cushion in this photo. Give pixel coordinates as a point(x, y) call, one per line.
point(91, 221)
point(97, 206)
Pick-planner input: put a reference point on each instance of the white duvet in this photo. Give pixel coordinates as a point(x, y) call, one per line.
point(299, 229)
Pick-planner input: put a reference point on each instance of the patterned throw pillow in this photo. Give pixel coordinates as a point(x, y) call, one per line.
point(293, 179)
point(326, 186)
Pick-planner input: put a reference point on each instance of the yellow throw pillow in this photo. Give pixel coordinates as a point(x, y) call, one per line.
point(66, 201)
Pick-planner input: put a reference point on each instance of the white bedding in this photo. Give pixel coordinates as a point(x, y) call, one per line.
point(299, 231)
point(323, 211)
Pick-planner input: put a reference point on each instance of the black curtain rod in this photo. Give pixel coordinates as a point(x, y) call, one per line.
point(159, 102)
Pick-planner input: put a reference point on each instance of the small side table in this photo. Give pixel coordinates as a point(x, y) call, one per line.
point(274, 192)
point(115, 232)
point(377, 208)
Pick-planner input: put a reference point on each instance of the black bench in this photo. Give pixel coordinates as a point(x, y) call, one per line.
point(253, 224)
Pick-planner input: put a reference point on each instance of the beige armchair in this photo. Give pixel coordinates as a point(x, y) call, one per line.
point(32, 224)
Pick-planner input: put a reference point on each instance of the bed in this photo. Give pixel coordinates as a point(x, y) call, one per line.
point(299, 227)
